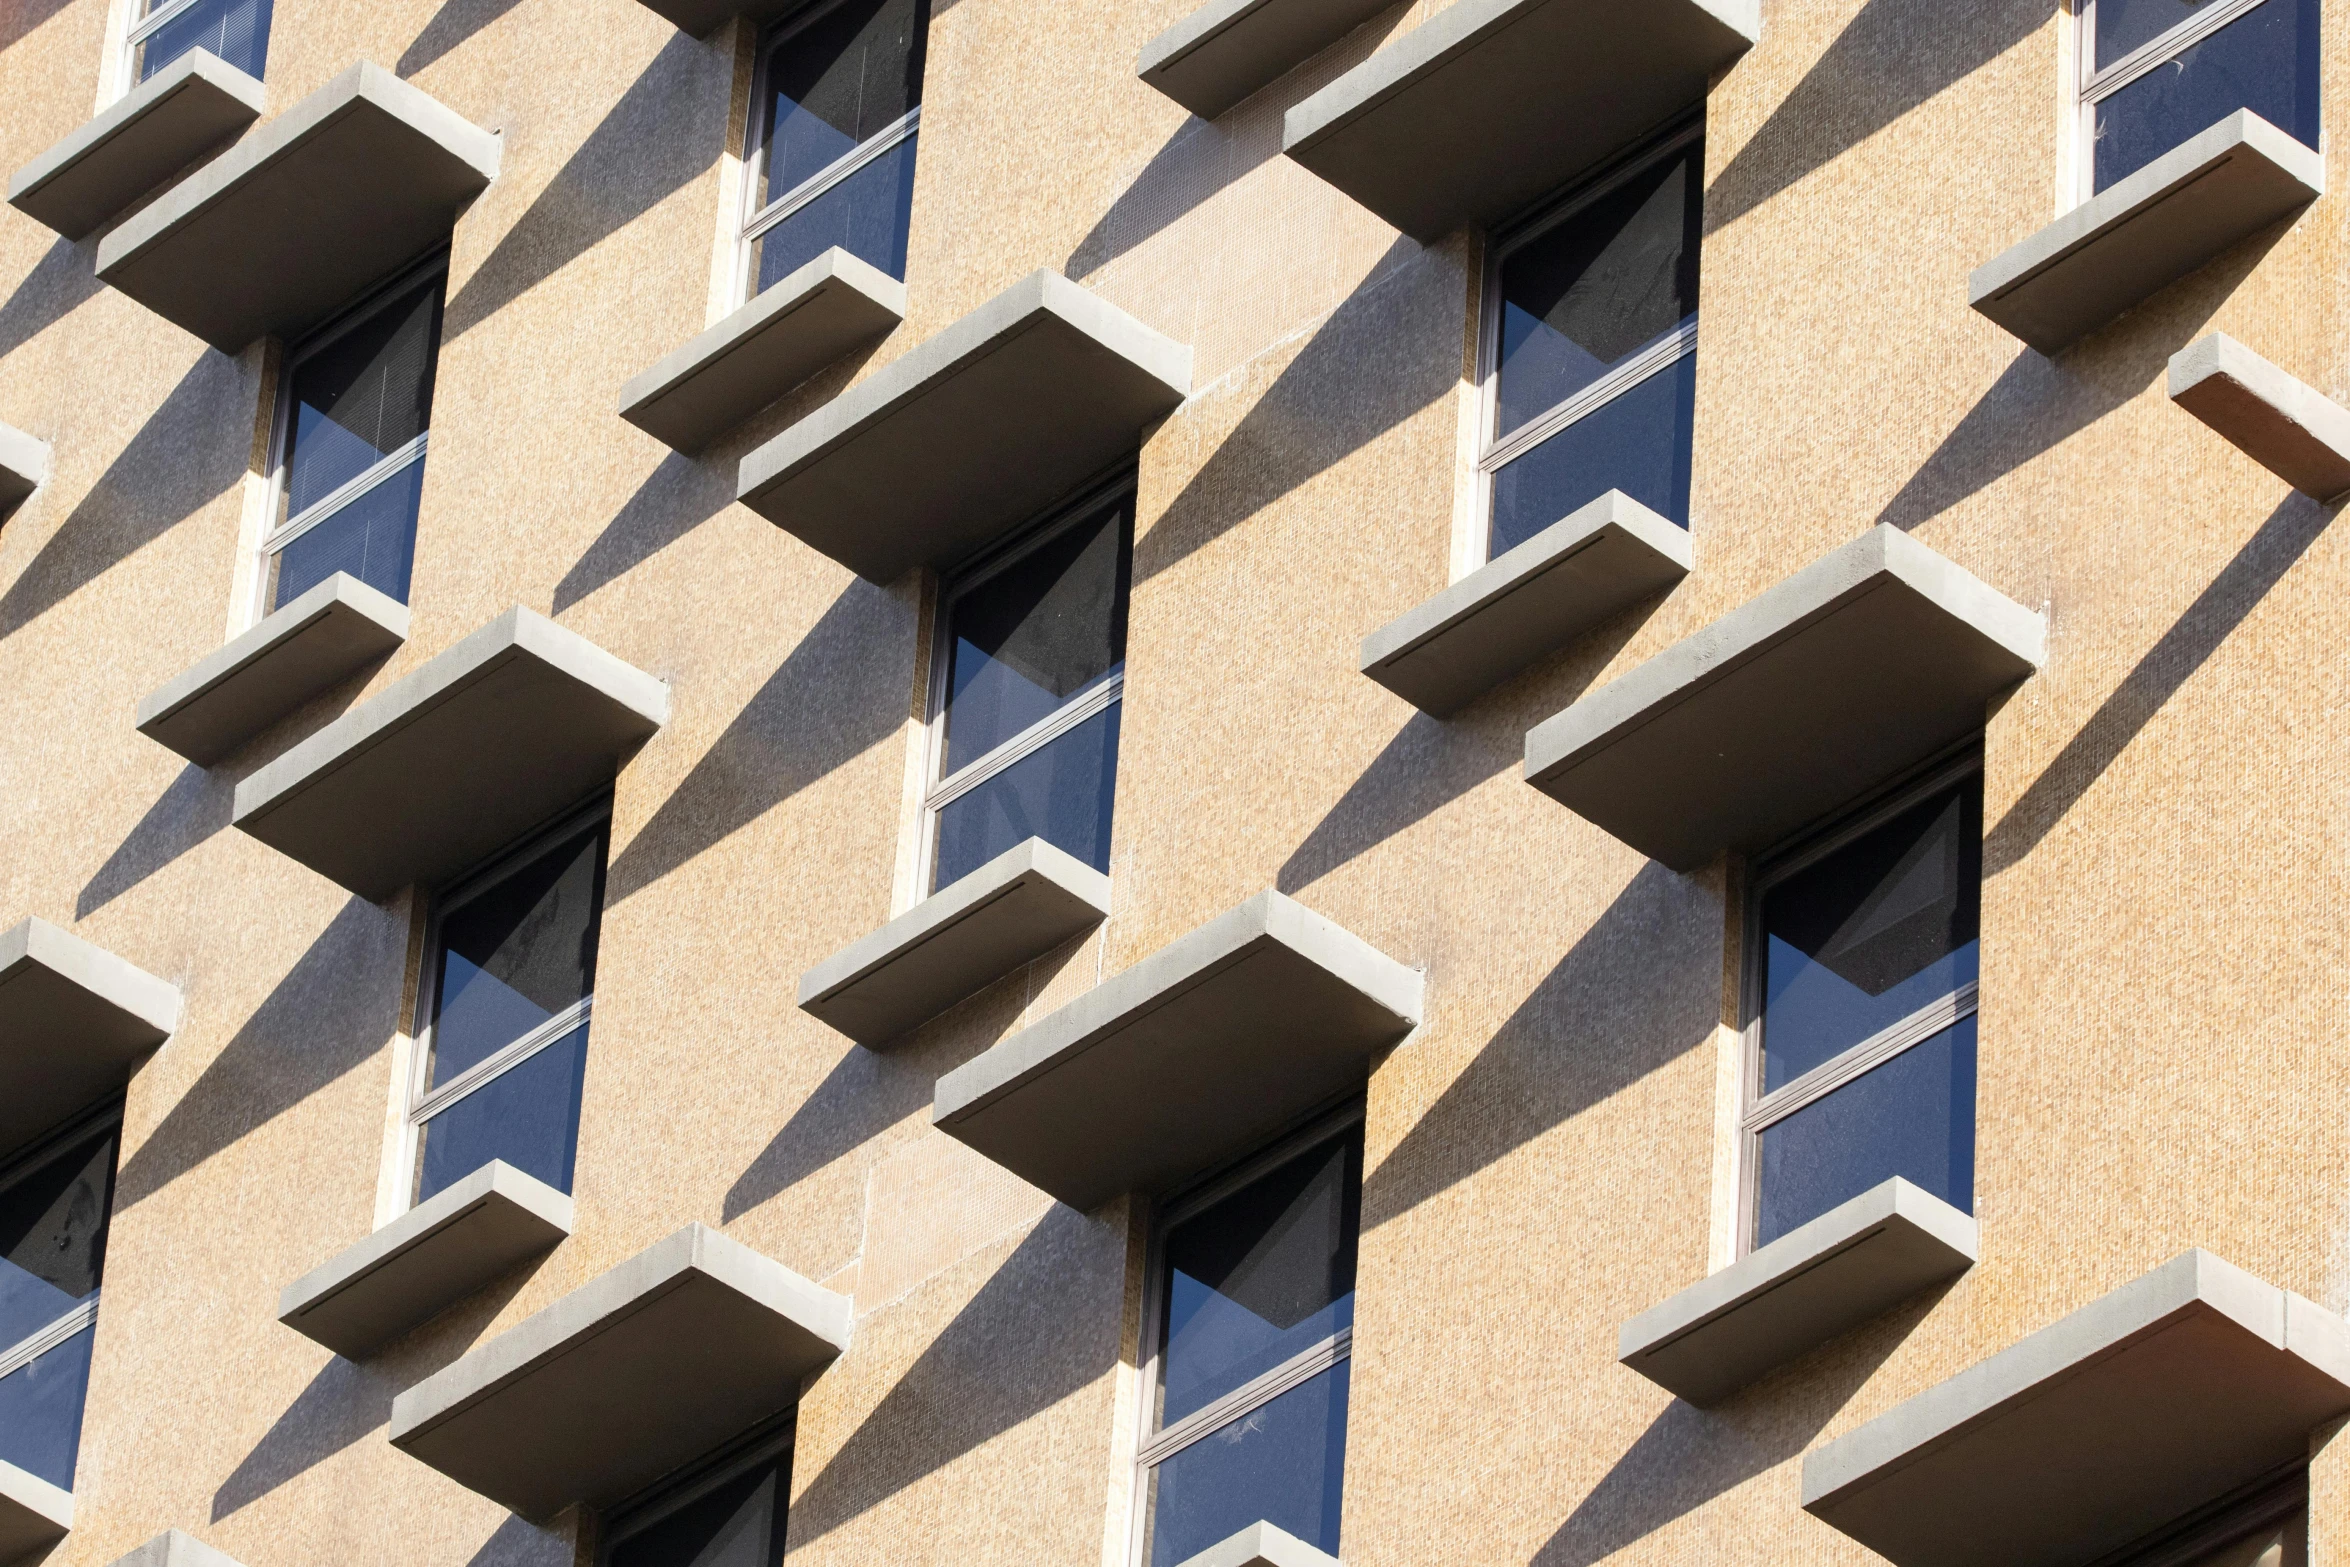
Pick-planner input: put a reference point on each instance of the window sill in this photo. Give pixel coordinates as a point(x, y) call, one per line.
point(166, 123)
point(75, 1020)
point(2293, 430)
point(24, 467)
point(2147, 231)
point(1262, 1545)
point(1228, 49)
point(33, 1513)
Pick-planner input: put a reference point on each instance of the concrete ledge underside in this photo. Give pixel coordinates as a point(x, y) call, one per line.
point(698, 17)
point(174, 1549)
point(1015, 908)
point(1200, 1050)
point(2139, 1408)
point(321, 639)
point(1530, 601)
point(2147, 231)
point(2287, 426)
point(460, 758)
point(24, 465)
point(1869, 660)
point(164, 124)
point(1492, 104)
point(690, 1342)
point(74, 1021)
point(1262, 1545)
point(1803, 1289)
point(426, 1260)
point(969, 433)
point(293, 223)
point(1227, 49)
point(789, 332)
point(33, 1513)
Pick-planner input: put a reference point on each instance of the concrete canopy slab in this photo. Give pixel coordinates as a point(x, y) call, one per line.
point(1227, 49)
point(74, 1021)
point(426, 1260)
point(1782, 1300)
point(2288, 427)
point(486, 741)
point(698, 17)
point(160, 127)
point(33, 1513)
point(692, 1341)
point(314, 643)
point(280, 231)
point(1015, 908)
point(1262, 1545)
point(2147, 231)
point(24, 466)
point(789, 332)
point(1193, 1055)
point(174, 1549)
point(1491, 104)
point(2137, 1409)
point(1527, 602)
point(1867, 661)
point(970, 432)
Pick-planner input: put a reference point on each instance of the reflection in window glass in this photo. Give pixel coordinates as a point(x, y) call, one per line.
point(1283, 1462)
point(527, 1116)
point(1638, 443)
point(1064, 792)
point(867, 213)
point(41, 1411)
point(235, 30)
point(53, 1221)
point(737, 1523)
point(2266, 61)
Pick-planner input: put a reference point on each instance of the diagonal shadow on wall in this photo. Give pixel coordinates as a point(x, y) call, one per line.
point(677, 497)
point(193, 807)
point(19, 18)
point(342, 1406)
point(866, 1092)
point(519, 1543)
point(65, 275)
point(451, 26)
point(1202, 158)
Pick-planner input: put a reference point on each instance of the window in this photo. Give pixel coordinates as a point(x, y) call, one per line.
point(55, 1202)
point(728, 1512)
point(838, 100)
point(2155, 73)
point(163, 30)
point(1025, 713)
point(511, 970)
point(1591, 347)
point(1253, 1279)
point(1862, 972)
point(350, 441)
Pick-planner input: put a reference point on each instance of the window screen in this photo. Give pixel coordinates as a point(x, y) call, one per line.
point(2266, 60)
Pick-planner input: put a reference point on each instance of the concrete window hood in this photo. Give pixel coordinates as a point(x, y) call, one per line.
point(174, 1549)
point(698, 18)
point(1227, 49)
point(165, 123)
point(2147, 231)
point(1491, 104)
point(1262, 1545)
point(783, 336)
point(294, 222)
point(321, 639)
point(1869, 660)
point(1785, 1299)
point(33, 1513)
point(426, 1260)
point(459, 758)
point(74, 1020)
point(691, 1342)
point(1198, 1052)
point(24, 467)
point(2288, 427)
point(2178, 1388)
point(970, 432)
point(1014, 909)
point(1528, 602)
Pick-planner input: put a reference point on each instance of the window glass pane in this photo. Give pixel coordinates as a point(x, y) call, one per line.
point(2123, 25)
point(853, 72)
point(1061, 792)
point(53, 1237)
point(41, 1410)
point(1598, 287)
point(362, 397)
point(737, 1524)
point(1262, 1276)
point(373, 537)
point(1030, 637)
point(866, 214)
point(1638, 443)
point(517, 953)
point(1863, 937)
point(1914, 1117)
point(2265, 61)
point(1283, 1462)
point(235, 30)
point(527, 1116)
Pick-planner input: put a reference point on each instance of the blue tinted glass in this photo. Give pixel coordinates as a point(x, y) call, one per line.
point(2265, 61)
point(867, 214)
point(527, 1116)
point(2123, 25)
point(372, 537)
point(738, 1524)
point(1283, 1462)
point(1913, 1117)
point(235, 30)
point(518, 952)
point(53, 1222)
point(41, 1411)
point(1638, 443)
point(363, 395)
point(1061, 793)
point(836, 82)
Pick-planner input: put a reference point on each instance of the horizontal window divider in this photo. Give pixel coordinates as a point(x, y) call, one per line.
point(1875, 1051)
point(831, 174)
point(161, 16)
point(31, 1348)
point(1259, 1391)
point(504, 1060)
point(2159, 49)
point(1092, 700)
point(351, 489)
point(1665, 352)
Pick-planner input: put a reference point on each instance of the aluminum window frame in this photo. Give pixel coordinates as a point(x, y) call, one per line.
point(137, 29)
point(682, 1487)
point(105, 1115)
point(2096, 85)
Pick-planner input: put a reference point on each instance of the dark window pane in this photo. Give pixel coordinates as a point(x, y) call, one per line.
point(1637, 443)
point(519, 952)
point(1061, 793)
point(853, 72)
point(362, 397)
point(737, 1524)
point(235, 30)
point(1261, 1277)
point(527, 1116)
point(53, 1237)
point(866, 214)
point(1283, 1462)
point(2265, 61)
point(41, 1411)
point(373, 538)
point(2123, 25)
point(1035, 634)
point(1914, 1117)
point(1598, 287)
point(1867, 935)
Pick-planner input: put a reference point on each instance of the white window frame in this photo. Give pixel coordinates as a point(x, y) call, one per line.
point(772, 1438)
point(1761, 1111)
point(1499, 448)
point(2096, 85)
point(15, 1357)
